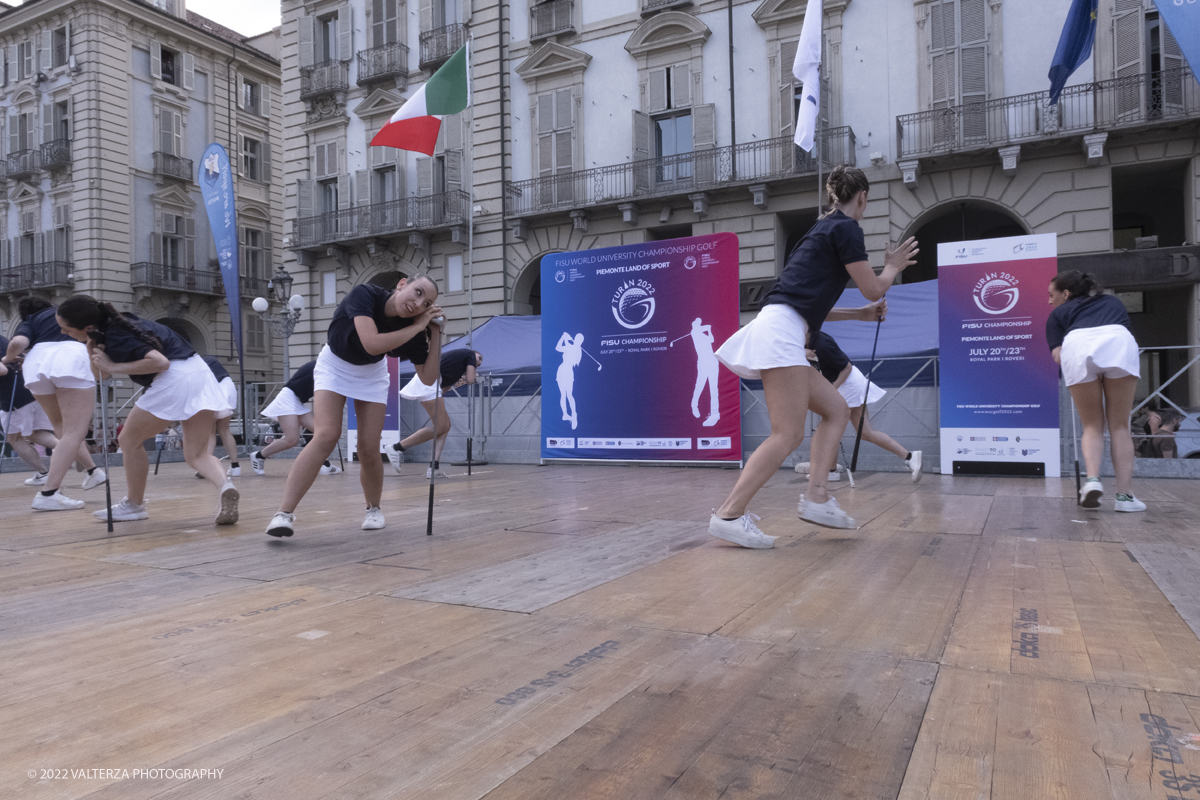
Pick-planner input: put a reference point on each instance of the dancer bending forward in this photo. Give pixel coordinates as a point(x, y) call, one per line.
point(179, 386)
point(289, 410)
point(458, 369)
point(772, 348)
point(24, 421)
point(370, 323)
point(1089, 336)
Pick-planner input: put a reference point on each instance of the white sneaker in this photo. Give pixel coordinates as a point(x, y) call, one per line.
point(227, 510)
point(829, 513)
point(1090, 493)
point(395, 457)
point(740, 531)
point(282, 524)
point(1131, 504)
point(332, 469)
point(97, 478)
point(441, 473)
point(833, 477)
point(123, 511)
point(234, 472)
point(374, 519)
point(259, 465)
point(914, 464)
point(55, 502)
point(37, 480)
point(803, 467)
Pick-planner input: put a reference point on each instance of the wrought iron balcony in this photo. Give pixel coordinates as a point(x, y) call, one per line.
point(325, 78)
point(56, 154)
point(172, 166)
point(551, 18)
point(1134, 101)
point(24, 164)
point(439, 44)
point(381, 63)
point(148, 275)
point(445, 210)
point(44, 275)
point(698, 171)
point(252, 286)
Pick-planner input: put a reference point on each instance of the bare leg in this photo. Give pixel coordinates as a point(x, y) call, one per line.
point(831, 406)
point(227, 440)
point(196, 433)
point(1118, 402)
point(70, 412)
point(370, 430)
point(26, 452)
point(436, 412)
point(1089, 402)
point(140, 425)
point(289, 424)
point(328, 408)
point(875, 437)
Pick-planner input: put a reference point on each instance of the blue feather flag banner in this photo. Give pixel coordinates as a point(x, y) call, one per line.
point(1183, 20)
point(1075, 44)
point(216, 185)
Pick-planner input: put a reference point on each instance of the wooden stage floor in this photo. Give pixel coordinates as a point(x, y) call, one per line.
point(573, 632)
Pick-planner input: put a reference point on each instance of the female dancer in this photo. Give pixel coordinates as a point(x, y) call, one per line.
point(1089, 336)
point(851, 384)
point(289, 411)
point(58, 375)
point(223, 416)
point(458, 369)
point(369, 323)
point(772, 348)
point(179, 386)
point(25, 423)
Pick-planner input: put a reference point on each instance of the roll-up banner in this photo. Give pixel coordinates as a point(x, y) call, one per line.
point(999, 383)
point(628, 334)
point(216, 186)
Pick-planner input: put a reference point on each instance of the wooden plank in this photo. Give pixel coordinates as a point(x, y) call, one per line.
point(1174, 569)
point(918, 512)
point(1046, 518)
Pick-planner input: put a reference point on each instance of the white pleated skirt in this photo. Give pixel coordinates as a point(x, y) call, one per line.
point(231, 397)
point(57, 365)
point(853, 387)
point(366, 382)
point(416, 390)
point(183, 391)
point(1109, 351)
point(285, 404)
point(773, 339)
point(25, 420)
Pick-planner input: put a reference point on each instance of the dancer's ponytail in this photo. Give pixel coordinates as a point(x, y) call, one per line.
point(82, 310)
point(843, 185)
point(1078, 284)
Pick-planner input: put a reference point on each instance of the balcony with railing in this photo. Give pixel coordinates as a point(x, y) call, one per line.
point(382, 63)
point(1131, 102)
point(761, 161)
point(24, 164)
point(172, 166)
point(551, 18)
point(56, 154)
point(325, 78)
point(44, 275)
point(253, 286)
point(431, 212)
point(439, 44)
point(148, 275)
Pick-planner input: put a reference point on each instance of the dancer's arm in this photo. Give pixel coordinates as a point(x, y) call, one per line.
point(896, 261)
point(377, 343)
point(1056, 353)
point(152, 363)
point(871, 312)
point(843, 375)
point(16, 346)
point(469, 375)
point(429, 372)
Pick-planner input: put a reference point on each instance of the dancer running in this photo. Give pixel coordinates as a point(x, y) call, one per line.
point(370, 323)
point(223, 416)
point(179, 386)
point(1088, 334)
point(772, 348)
point(851, 384)
point(58, 375)
point(458, 369)
point(289, 410)
point(25, 423)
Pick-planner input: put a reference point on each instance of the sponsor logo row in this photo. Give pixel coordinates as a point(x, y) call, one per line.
point(705, 443)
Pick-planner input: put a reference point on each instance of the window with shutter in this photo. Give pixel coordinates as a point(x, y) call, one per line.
point(1128, 44)
point(1172, 71)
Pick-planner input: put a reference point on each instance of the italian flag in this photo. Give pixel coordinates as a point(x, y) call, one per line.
point(415, 126)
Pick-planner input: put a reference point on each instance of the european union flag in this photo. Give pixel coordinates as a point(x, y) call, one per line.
point(1075, 44)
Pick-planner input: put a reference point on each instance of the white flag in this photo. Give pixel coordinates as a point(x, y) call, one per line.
point(807, 70)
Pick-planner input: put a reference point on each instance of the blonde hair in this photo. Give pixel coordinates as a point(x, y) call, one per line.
point(843, 185)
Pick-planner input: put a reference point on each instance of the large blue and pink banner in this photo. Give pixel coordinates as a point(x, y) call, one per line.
point(628, 334)
point(999, 383)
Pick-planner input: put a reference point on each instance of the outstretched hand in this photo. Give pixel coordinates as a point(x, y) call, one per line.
point(900, 257)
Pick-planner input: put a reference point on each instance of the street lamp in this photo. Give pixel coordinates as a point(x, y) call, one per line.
point(283, 323)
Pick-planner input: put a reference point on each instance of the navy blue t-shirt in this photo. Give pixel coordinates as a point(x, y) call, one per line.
point(8, 400)
point(1084, 312)
point(815, 274)
point(454, 366)
point(42, 327)
point(218, 369)
point(369, 300)
point(122, 347)
point(830, 358)
point(301, 382)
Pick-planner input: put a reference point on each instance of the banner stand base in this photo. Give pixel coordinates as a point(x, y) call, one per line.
point(999, 468)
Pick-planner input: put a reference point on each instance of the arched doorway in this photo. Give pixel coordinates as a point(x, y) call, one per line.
point(958, 222)
point(527, 292)
point(190, 333)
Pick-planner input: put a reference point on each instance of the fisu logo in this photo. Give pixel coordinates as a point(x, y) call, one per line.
point(996, 293)
point(633, 303)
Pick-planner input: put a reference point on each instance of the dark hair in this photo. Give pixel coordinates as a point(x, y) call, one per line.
point(432, 282)
point(82, 310)
point(28, 306)
point(1079, 284)
point(844, 183)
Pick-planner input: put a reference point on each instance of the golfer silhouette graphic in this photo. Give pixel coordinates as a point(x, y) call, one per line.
point(572, 350)
point(707, 368)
